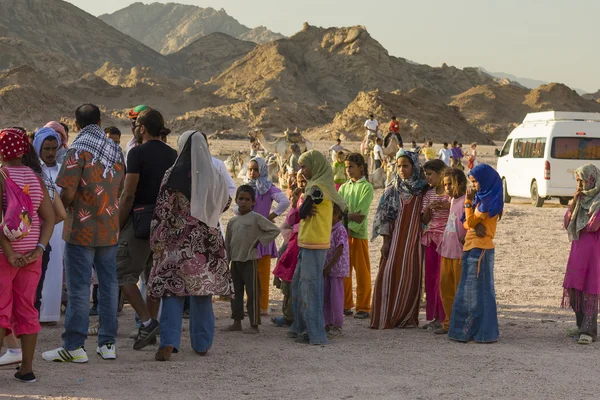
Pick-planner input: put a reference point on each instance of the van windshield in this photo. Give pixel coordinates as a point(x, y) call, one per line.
point(576, 148)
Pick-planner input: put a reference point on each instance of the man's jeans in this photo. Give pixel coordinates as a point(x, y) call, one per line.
point(78, 264)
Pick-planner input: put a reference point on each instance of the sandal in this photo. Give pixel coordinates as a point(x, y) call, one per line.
point(164, 353)
point(571, 332)
point(93, 330)
point(585, 339)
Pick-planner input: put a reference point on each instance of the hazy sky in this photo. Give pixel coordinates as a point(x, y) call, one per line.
point(549, 40)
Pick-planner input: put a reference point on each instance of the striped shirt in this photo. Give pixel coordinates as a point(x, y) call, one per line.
point(23, 176)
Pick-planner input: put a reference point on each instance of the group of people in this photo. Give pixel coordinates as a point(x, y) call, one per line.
point(154, 215)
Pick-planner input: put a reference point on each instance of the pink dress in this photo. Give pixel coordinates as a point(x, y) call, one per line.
point(583, 267)
point(286, 265)
point(263, 207)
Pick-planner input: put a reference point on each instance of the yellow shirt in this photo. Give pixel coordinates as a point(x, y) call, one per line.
point(429, 153)
point(315, 232)
point(472, 219)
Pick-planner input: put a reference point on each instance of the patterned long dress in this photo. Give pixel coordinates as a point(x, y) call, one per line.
point(189, 257)
point(397, 290)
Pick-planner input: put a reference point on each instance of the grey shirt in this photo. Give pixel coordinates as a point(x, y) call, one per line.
point(244, 232)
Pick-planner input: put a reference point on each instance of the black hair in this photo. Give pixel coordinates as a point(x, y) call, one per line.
point(371, 116)
point(445, 143)
point(65, 127)
point(339, 140)
point(359, 160)
point(454, 143)
point(32, 160)
point(112, 130)
point(154, 123)
point(246, 189)
point(394, 117)
point(435, 165)
point(459, 181)
point(430, 143)
point(87, 114)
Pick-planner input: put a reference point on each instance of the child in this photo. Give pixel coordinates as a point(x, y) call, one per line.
point(113, 133)
point(457, 156)
point(581, 287)
point(445, 154)
point(378, 154)
point(286, 265)
point(474, 313)
point(266, 193)
point(414, 147)
point(451, 245)
point(336, 148)
point(337, 267)
point(358, 194)
point(244, 232)
point(339, 170)
point(434, 215)
point(428, 151)
point(314, 237)
point(473, 157)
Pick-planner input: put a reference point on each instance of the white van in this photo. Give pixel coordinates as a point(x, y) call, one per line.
point(540, 156)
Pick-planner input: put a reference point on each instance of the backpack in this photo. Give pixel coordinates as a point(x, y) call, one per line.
point(16, 218)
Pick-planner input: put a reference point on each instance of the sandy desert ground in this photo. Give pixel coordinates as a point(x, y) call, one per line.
point(533, 359)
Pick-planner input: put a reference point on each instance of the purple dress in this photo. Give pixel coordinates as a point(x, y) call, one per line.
point(263, 207)
point(583, 267)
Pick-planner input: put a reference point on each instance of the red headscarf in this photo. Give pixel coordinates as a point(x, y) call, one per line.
point(13, 143)
point(58, 128)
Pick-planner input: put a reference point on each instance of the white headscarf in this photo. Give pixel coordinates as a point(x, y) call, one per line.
point(209, 195)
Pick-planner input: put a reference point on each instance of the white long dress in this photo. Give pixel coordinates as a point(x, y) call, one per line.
point(52, 289)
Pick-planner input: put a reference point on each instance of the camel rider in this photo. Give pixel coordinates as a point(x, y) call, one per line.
point(394, 129)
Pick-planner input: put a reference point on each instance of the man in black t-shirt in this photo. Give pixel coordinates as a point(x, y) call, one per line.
point(146, 167)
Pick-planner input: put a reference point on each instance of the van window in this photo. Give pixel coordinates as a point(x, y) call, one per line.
point(529, 148)
point(506, 148)
point(576, 148)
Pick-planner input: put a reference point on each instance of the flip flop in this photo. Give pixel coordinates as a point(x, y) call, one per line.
point(585, 339)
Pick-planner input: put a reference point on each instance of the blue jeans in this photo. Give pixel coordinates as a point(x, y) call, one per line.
point(474, 313)
point(78, 265)
point(202, 322)
point(307, 296)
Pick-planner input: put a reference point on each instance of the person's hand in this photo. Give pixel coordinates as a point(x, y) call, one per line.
point(34, 255)
point(296, 196)
point(385, 248)
point(326, 270)
point(480, 230)
point(471, 193)
point(17, 260)
point(578, 192)
point(356, 217)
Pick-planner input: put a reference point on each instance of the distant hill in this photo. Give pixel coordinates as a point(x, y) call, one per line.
point(527, 82)
point(168, 28)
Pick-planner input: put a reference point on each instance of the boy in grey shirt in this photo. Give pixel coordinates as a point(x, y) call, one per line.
point(244, 232)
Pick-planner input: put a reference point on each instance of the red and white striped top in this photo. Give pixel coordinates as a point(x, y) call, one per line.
point(25, 176)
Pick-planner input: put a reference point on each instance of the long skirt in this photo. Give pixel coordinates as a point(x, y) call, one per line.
point(397, 291)
point(474, 313)
point(53, 282)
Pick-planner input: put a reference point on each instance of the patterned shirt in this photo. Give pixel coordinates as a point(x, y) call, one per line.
point(339, 237)
point(437, 225)
point(92, 218)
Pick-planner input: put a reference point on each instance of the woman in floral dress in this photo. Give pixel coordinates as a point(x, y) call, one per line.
point(189, 249)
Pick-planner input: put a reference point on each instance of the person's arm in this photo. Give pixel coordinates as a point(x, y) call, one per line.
point(46, 213)
point(228, 239)
point(364, 205)
point(127, 196)
point(336, 256)
point(269, 231)
point(69, 177)
point(59, 210)
point(282, 204)
point(15, 259)
point(306, 209)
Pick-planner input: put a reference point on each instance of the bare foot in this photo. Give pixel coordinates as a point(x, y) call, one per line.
point(236, 326)
point(251, 330)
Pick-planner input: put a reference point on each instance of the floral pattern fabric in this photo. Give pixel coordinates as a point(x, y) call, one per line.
point(189, 257)
point(93, 217)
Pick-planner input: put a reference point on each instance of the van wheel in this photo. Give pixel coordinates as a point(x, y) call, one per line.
point(536, 200)
point(564, 201)
point(507, 197)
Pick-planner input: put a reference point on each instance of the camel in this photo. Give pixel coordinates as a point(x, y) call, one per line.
point(234, 163)
point(392, 147)
point(281, 145)
point(378, 178)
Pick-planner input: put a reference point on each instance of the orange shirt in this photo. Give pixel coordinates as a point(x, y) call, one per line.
point(394, 126)
point(473, 218)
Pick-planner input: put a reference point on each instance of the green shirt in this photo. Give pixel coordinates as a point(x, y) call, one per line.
point(358, 195)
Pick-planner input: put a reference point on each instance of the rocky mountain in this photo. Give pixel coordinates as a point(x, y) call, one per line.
point(210, 55)
point(497, 109)
point(168, 28)
point(592, 96)
point(421, 114)
point(55, 36)
point(328, 67)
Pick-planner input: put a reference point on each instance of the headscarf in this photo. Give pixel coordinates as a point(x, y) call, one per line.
point(58, 128)
point(262, 184)
point(93, 140)
point(588, 203)
point(322, 176)
point(389, 203)
point(135, 111)
point(194, 176)
point(41, 135)
point(490, 197)
point(13, 143)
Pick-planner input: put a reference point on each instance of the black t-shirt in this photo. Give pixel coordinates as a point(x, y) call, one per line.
point(150, 160)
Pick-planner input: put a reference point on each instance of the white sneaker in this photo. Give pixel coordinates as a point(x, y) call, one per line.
point(10, 358)
point(61, 355)
point(108, 351)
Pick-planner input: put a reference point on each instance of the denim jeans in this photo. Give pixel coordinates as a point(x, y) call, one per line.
point(78, 266)
point(307, 296)
point(202, 322)
point(474, 313)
